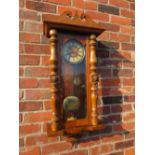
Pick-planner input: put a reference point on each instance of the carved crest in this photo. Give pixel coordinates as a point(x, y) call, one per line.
point(71, 21)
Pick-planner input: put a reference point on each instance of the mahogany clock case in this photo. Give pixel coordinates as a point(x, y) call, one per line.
point(73, 72)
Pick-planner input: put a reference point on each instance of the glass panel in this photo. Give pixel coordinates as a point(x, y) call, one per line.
point(73, 77)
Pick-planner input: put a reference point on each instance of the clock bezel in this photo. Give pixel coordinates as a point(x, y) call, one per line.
point(82, 47)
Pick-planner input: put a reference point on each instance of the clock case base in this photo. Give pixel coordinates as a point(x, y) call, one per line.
point(74, 130)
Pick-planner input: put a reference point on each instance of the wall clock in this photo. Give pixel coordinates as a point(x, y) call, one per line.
point(73, 73)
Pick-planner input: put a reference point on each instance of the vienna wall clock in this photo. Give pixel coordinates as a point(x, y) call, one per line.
point(73, 73)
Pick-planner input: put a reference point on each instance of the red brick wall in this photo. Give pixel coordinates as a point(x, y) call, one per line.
point(115, 52)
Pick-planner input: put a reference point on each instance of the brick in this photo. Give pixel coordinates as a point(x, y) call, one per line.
point(112, 138)
point(133, 39)
point(43, 7)
point(128, 117)
point(47, 105)
point(64, 2)
point(116, 118)
point(28, 129)
point(104, 36)
point(102, 53)
point(20, 118)
point(115, 91)
point(40, 138)
point(119, 37)
point(133, 22)
point(21, 48)
point(127, 13)
point(45, 60)
point(109, 44)
point(104, 72)
point(132, 6)
point(116, 108)
point(44, 83)
point(126, 107)
point(78, 3)
point(101, 149)
point(89, 143)
point(103, 110)
point(122, 72)
point(112, 100)
point(62, 9)
point(54, 148)
point(37, 71)
point(37, 94)
point(28, 83)
point(29, 60)
point(21, 25)
point(112, 63)
point(29, 15)
point(78, 152)
point(44, 40)
point(127, 46)
point(31, 151)
point(21, 142)
point(29, 37)
point(127, 30)
point(125, 144)
point(120, 3)
point(128, 64)
point(30, 106)
point(33, 27)
point(117, 153)
point(108, 9)
point(90, 5)
point(128, 126)
point(130, 151)
point(37, 117)
point(129, 98)
point(21, 71)
point(104, 91)
point(102, 1)
point(130, 135)
point(118, 128)
point(111, 82)
point(121, 55)
point(127, 90)
point(37, 49)
point(20, 94)
point(128, 82)
point(111, 27)
point(21, 3)
point(120, 20)
point(98, 16)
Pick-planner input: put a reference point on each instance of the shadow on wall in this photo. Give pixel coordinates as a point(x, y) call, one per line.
point(110, 91)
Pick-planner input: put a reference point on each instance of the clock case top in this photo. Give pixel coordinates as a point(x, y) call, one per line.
point(69, 23)
point(72, 23)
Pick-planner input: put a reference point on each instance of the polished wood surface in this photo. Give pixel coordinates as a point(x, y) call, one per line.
point(54, 80)
point(93, 79)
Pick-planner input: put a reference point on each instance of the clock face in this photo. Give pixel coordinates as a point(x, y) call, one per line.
point(73, 51)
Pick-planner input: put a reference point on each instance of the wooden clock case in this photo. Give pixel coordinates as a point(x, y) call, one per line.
point(59, 29)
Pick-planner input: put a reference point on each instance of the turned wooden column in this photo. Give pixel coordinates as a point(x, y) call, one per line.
point(93, 79)
point(54, 80)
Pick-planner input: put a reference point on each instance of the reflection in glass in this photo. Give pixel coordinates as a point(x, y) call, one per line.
point(74, 89)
